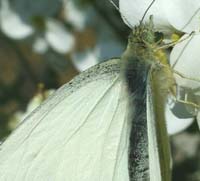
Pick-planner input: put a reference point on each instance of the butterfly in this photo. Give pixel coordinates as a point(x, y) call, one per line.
point(106, 124)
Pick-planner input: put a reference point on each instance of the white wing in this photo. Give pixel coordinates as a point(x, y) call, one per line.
point(158, 143)
point(198, 118)
point(80, 133)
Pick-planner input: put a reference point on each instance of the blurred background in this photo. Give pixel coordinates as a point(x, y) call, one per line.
point(44, 44)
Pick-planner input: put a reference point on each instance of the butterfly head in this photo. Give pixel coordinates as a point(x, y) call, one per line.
point(144, 35)
point(143, 40)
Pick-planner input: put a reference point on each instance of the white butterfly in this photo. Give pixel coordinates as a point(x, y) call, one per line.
point(82, 132)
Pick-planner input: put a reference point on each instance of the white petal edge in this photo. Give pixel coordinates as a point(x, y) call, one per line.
point(11, 24)
point(133, 11)
point(185, 58)
point(174, 124)
point(61, 40)
point(183, 14)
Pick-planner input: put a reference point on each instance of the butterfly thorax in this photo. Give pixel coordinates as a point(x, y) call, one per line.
point(142, 63)
point(142, 42)
point(143, 46)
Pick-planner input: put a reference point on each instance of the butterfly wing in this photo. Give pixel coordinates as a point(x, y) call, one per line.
point(79, 133)
point(158, 142)
point(198, 118)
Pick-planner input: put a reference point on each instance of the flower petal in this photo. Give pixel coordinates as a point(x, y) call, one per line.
point(185, 59)
point(11, 24)
point(183, 14)
point(58, 37)
point(175, 124)
point(77, 17)
point(133, 11)
point(40, 45)
point(84, 60)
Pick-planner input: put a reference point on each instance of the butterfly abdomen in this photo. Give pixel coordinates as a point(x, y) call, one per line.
point(135, 70)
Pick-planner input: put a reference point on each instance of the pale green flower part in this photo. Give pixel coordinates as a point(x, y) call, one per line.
point(170, 16)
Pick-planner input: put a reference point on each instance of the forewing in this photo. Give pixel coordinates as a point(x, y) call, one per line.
point(80, 133)
point(198, 118)
point(158, 143)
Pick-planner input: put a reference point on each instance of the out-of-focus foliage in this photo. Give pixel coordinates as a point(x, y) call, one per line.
point(48, 42)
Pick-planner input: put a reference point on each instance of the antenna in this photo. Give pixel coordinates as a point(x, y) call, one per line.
point(115, 6)
point(146, 11)
point(111, 1)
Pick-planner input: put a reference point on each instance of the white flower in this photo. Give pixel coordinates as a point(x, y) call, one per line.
point(175, 124)
point(55, 34)
point(103, 50)
point(182, 15)
point(185, 57)
point(85, 59)
point(11, 24)
point(77, 17)
point(168, 16)
point(106, 46)
point(40, 45)
point(58, 37)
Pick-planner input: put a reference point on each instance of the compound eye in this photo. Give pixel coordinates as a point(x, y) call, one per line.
point(158, 36)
